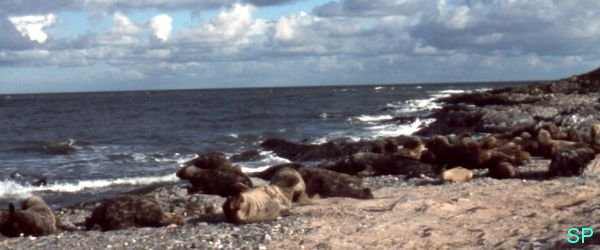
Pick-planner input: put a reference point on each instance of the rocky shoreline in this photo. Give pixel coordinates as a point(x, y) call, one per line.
point(412, 207)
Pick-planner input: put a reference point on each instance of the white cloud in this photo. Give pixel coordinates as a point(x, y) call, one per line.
point(232, 26)
point(122, 24)
point(162, 26)
point(33, 26)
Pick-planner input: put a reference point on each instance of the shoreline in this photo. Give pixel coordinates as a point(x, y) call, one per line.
point(524, 211)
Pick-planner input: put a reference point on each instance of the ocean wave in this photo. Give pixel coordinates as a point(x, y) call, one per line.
point(267, 158)
point(385, 130)
point(452, 91)
point(373, 118)
point(12, 189)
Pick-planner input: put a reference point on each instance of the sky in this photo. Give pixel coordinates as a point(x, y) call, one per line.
point(103, 45)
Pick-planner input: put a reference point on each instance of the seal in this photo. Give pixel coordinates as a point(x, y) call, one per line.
point(283, 176)
point(213, 174)
point(413, 148)
point(130, 211)
point(261, 203)
point(327, 183)
point(457, 174)
point(34, 219)
point(502, 170)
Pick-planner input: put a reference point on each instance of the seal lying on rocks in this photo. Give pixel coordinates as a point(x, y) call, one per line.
point(327, 183)
point(262, 203)
point(457, 174)
point(213, 174)
point(283, 176)
point(35, 218)
point(502, 170)
point(130, 211)
point(268, 173)
point(323, 182)
point(412, 148)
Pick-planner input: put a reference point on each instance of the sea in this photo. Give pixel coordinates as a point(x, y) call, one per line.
point(94, 145)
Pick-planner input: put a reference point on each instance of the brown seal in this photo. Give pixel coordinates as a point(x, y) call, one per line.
point(213, 174)
point(130, 211)
point(35, 218)
point(502, 170)
point(457, 174)
point(283, 176)
point(261, 203)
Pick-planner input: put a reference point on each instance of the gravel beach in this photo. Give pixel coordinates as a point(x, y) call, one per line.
point(420, 213)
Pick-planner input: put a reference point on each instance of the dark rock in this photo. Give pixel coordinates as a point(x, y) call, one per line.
point(61, 148)
point(30, 179)
point(331, 150)
point(570, 162)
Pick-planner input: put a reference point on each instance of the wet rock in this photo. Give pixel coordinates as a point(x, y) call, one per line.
point(250, 155)
point(331, 150)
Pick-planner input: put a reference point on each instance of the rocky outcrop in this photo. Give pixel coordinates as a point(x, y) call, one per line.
point(567, 103)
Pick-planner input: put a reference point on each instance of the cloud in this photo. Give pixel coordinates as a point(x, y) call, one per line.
point(22, 7)
point(162, 26)
point(11, 38)
point(33, 26)
point(345, 41)
point(233, 26)
point(372, 8)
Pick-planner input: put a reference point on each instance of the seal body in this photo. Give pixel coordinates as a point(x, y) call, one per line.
point(284, 176)
point(34, 219)
point(213, 174)
point(457, 174)
point(130, 211)
point(262, 203)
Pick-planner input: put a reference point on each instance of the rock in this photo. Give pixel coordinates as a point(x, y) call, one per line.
point(331, 150)
point(457, 174)
point(502, 170)
point(570, 162)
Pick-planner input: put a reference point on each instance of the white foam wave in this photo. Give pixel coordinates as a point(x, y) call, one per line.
point(452, 91)
point(378, 88)
point(399, 129)
point(373, 118)
point(11, 189)
point(268, 158)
